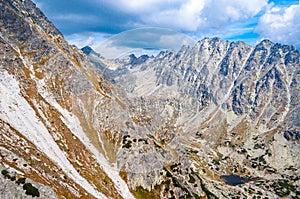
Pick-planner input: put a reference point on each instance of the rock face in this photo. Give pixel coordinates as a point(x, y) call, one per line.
point(149, 127)
point(231, 107)
point(50, 95)
point(13, 187)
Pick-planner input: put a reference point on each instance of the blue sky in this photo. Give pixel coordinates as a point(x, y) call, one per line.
point(90, 22)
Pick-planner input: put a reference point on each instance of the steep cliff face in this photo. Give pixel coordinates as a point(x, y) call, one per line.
point(44, 83)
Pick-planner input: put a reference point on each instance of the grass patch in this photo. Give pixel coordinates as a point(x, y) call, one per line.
point(141, 193)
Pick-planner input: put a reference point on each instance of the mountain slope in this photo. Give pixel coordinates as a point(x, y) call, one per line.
point(41, 79)
point(219, 100)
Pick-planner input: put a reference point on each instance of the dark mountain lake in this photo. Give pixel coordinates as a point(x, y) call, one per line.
point(234, 180)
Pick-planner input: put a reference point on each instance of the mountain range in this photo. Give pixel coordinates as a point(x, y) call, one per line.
point(219, 119)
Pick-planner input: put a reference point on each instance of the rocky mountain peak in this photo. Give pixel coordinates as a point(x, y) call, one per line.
point(89, 51)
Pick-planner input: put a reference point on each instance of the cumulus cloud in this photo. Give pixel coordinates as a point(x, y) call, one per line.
point(192, 15)
point(233, 20)
point(222, 11)
point(186, 17)
point(281, 24)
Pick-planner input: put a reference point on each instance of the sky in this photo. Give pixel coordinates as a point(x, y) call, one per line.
point(150, 40)
point(93, 22)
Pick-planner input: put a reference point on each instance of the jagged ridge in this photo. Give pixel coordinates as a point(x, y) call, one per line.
point(226, 95)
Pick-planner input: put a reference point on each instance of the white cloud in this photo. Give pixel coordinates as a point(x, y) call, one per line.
point(192, 15)
point(184, 17)
point(281, 25)
point(222, 12)
point(86, 39)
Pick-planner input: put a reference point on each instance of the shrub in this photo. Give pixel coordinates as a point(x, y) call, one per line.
point(21, 181)
point(12, 178)
point(6, 175)
point(4, 172)
point(127, 145)
point(31, 190)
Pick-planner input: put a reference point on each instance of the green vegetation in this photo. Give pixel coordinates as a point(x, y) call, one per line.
point(257, 146)
point(126, 136)
point(126, 143)
point(216, 162)
point(175, 167)
point(143, 140)
point(12, 178)
point(4, 172)
point(31, 190)
point(168, 182)
point(7, 176)
point(168, 172)
point(262, 159)
point(196, 196)
point(193, 151)
point(255, 138)
point(282, 188)
point(21, 181)
point(142, 193)
point(176, 183)
point(192, 179)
